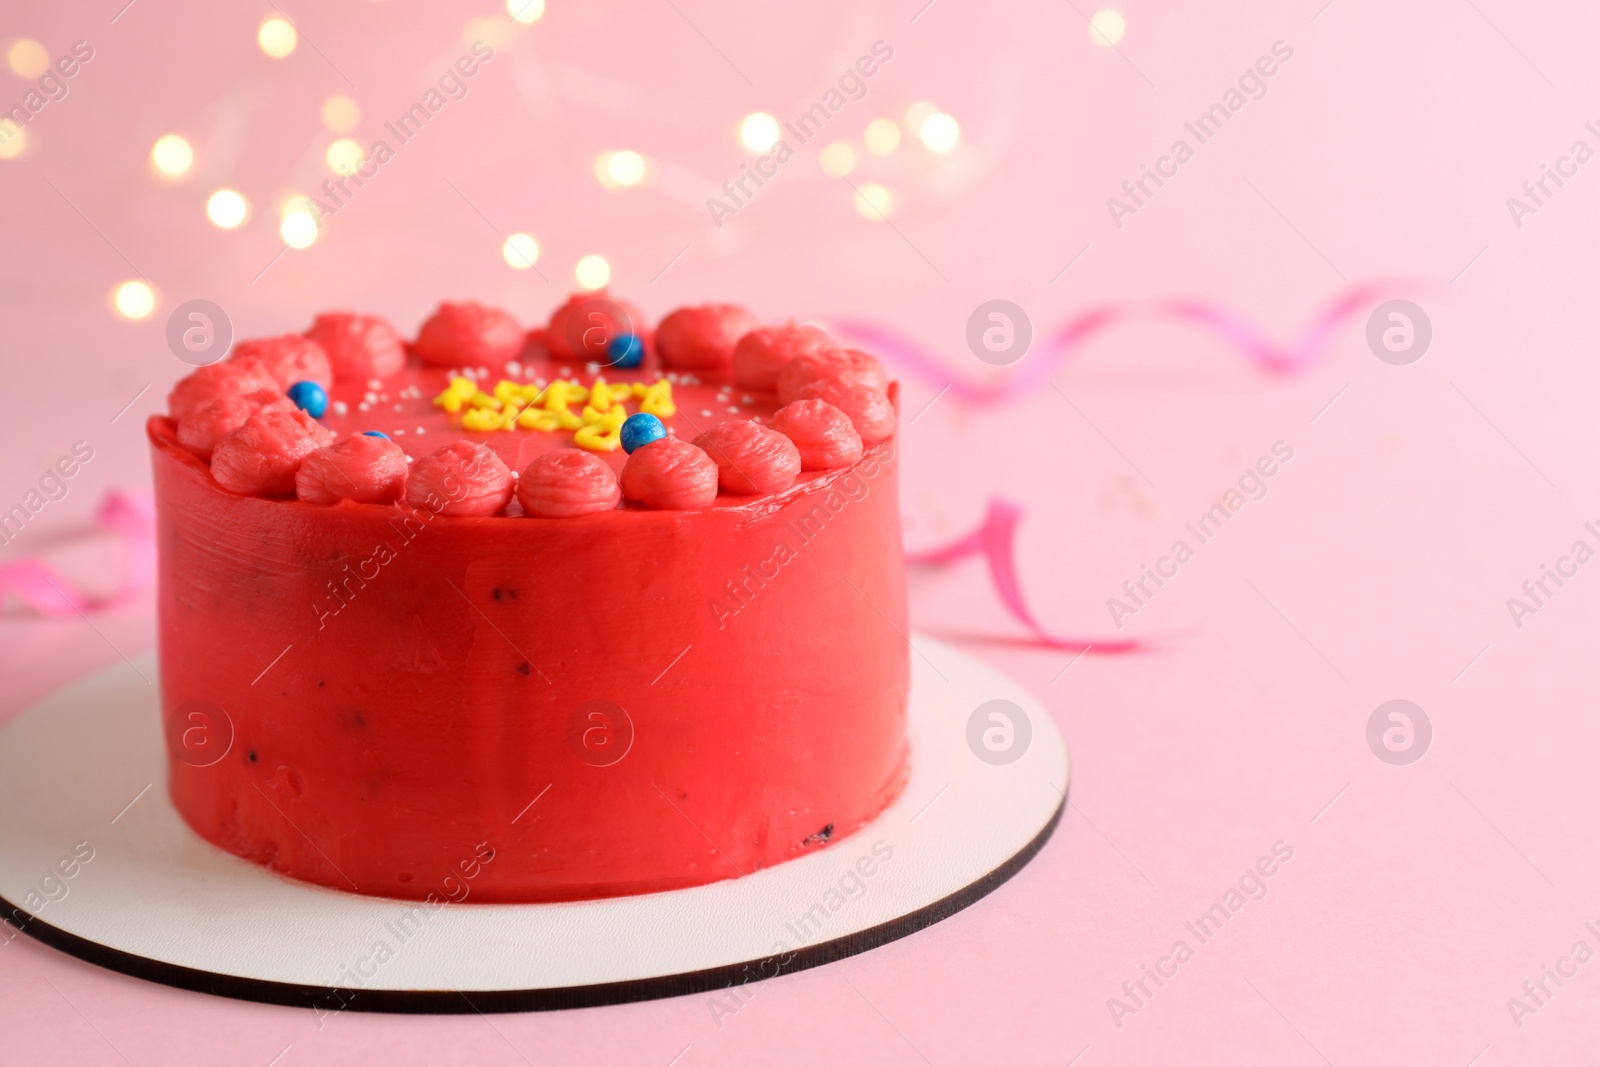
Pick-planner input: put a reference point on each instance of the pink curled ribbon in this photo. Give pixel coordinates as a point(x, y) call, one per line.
point(128, 515)
point(1267, 355)
point(996, 541)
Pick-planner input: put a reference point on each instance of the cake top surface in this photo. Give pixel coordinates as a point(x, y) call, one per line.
point(402, 406)
point(477, 415)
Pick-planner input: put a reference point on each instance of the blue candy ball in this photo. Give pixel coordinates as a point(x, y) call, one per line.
point(639, 430)
point(626, 351)
point(309, 397)
point(374, 433)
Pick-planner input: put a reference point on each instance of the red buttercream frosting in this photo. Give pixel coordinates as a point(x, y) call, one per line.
point(750, 457)
point(468, 334)
point(368, 470)
point(235, 377)
point(288, 359)
point(869, 410)
point(847, 363)
point(567, 483)
point(582, 329)
point(762, 354)
point(823, 435)
point(462, 478)
point(702, 338)
point(670, 473)
point(212, 420)
point(261, 457)
point(358, 346)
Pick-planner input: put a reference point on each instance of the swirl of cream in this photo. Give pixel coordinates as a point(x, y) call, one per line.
point(462, 478)
point(670, 473)
point(568, 482)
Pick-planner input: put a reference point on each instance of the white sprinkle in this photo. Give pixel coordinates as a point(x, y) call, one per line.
point(746, 399)
point(398, 432)
point(370, 397)
point(705, 413)
point(399, 407)
point(341, 408)
point(363, 406)
point(733, 411)
point(374, 383)
point(411, 459)
point(421, 429)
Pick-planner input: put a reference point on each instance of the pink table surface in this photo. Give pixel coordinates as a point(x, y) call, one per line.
point(1378, 566)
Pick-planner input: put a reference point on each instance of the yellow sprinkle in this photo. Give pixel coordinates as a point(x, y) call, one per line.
point(658, 400)
point(556, 398)
point(516, 405)
point(612, 418)
point(537, 419)
point(480, 419)
point(596, 439)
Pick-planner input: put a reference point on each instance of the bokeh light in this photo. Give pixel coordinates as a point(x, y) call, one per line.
point(837, 159)
point(15, 141)
point(917, 114)
point(298, 227)
point(345, 156)
point(525, 11)
point(493, 32)
point(27, 58)
point(620, 170)
point(340, 114)
point(882, 137)
point(227, 209)
point(520, 251)
point(277, 38)
point(940, 132)
point(873, 201)
point(133, 300)
point(1107, 27)
point(759, 131)
point(627, 167)
point(172, 156)
point(592, 272)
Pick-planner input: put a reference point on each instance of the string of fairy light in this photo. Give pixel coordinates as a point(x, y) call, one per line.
point(173, 157)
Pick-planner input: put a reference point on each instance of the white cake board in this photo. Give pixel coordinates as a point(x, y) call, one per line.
point(87, 764)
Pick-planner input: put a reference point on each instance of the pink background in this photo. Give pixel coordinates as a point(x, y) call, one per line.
point(1377, 567)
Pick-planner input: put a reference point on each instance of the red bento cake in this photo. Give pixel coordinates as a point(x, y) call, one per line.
point(574, 612)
